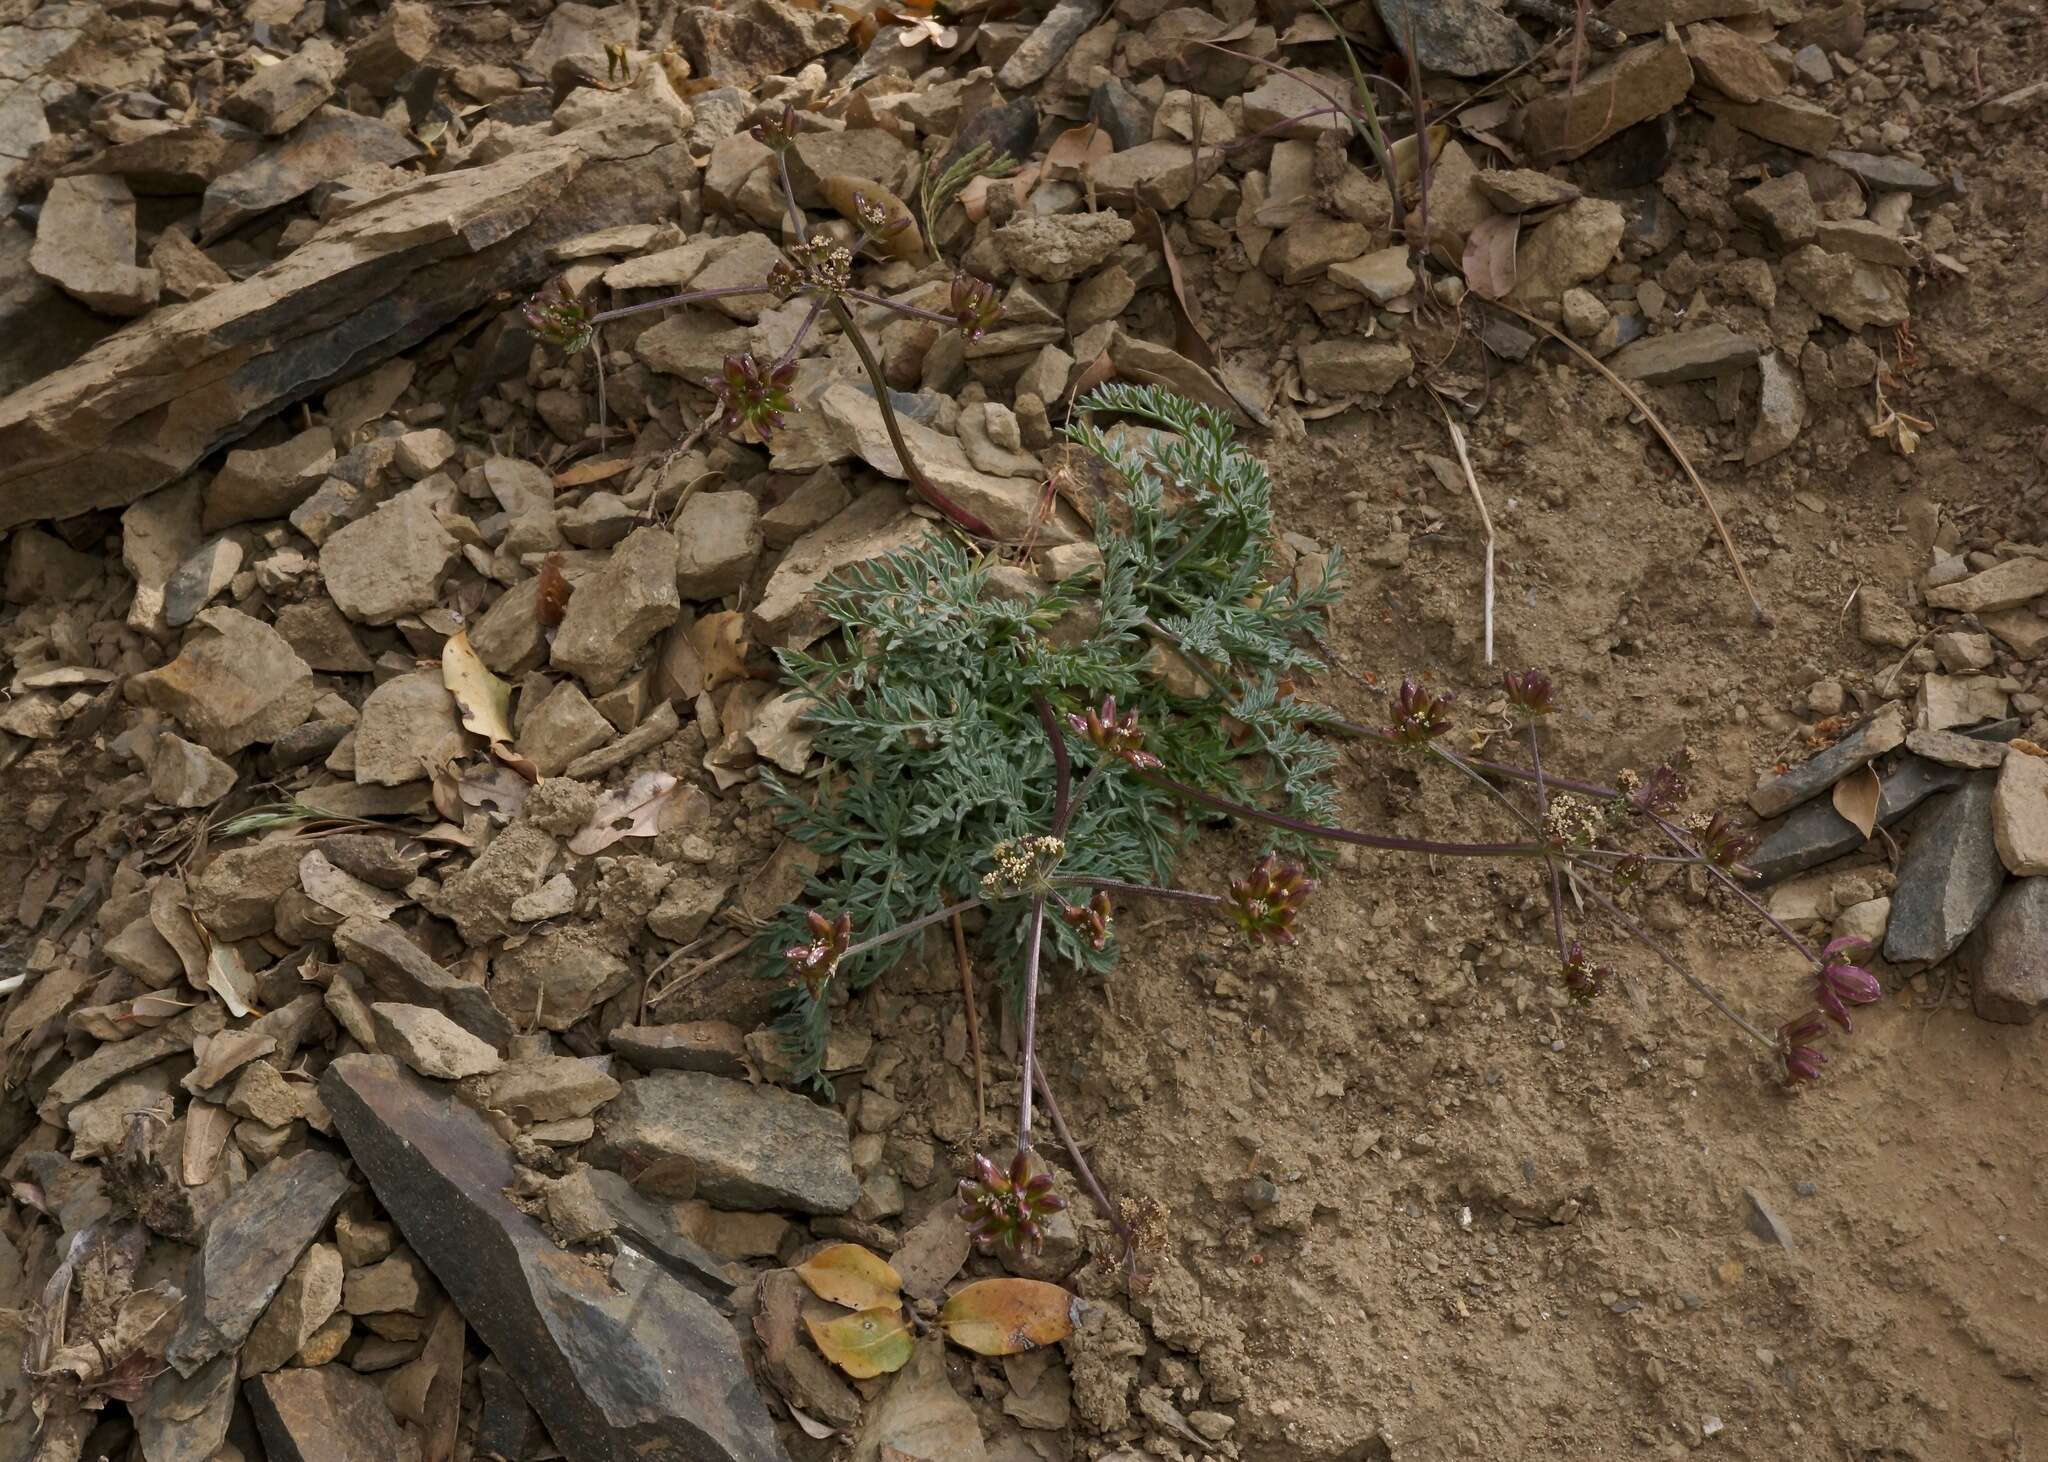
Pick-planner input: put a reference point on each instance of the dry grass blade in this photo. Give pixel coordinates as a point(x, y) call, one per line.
point(1663, 432)
point(973, 1027)
point(1485, 518)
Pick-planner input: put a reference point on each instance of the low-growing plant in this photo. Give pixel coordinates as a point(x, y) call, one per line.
point(1013, 757)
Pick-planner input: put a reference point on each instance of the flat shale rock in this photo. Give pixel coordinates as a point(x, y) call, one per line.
point(1456, 37)
point(1948, 880)
point(1869, 741)
point(401, 971)
point(325, 1414)
point(251, 1244)
point(624, 1366)
point(145, 405)
point(1641, 83)
point(753, 1146)
point(85, 245)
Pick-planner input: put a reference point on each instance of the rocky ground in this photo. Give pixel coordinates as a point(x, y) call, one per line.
point(385, 1071)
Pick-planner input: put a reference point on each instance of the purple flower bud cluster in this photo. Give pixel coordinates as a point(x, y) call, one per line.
point(813, 963)
point(1837, 984)
point(1265, 901)
point(1011, 1208)
point(1122, 738)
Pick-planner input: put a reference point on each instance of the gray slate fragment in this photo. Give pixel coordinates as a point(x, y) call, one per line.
point(651, 1227)
point(1815, 832)
point(753, 1146)
point(251, 1245)
point(628, 1366)
point(323, 1414)
point(1048, 43)
point(1953, 749)
point(1888, 174)
point(185, 1418)
point(1456, 37)
point(1880, 732)
point(400, 970)
point(2008, 955)
point(1949, 878)
point(1765, 1223)
point(1684, 355)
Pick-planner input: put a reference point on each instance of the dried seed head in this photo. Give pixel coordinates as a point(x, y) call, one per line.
point(1419, 716)
point(814, 963)
point(1583, 979)
point(1265, 901)
point(1092, 917)
point(776, 133)
point(557, 317)
point(1528, 691)
point(753, 400)
point(973, 306)
point(1123, 738)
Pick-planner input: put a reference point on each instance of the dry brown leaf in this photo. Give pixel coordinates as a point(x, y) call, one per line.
point(1008, 1316)
point(722, 647)
point(631, 812)
point(1407, 160)
point(597, 469)
point(227, 1052)
point(552, 600)
point(172, 917)
point(1075, 152)
point(849, 1275)
point(871, 1343)
point(494, 789)
point(481, 698)
point(844, 191)
point(1856, 799)
point(1490, 256)
point(1188, 337)
point(125, 1018)
point(230, 979)
point(207, 1129)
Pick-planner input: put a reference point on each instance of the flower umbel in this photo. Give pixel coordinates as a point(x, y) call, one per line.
point(816, 263)
point(1803, 1060)
point(814, 963)
point(1265, 901)
point(1420, 716)
point(1010, 1208)
point(557, 317)
point(1837, 984)
point(1022, 867)
point(1528, 691)
point(1583, 979)
point(973, 306)
point(875, 217)
point(1123, 739)
point(776, 133)
point(1092, 918)
point(753, 400)
point(1722, 843)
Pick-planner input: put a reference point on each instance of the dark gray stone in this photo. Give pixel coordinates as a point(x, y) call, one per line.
point(1121, 113)
point(1888, 174)
point(1949, 878)
point(400, 970)
point(2008, 955)
point(1765, 1223)
point(1684, 355)
point(651, 1227)
point(1008, 129)
point(1048, 44)
point(251, 1245)
point(1816, 832)
point(752, 1146)
point(333, 142)
point(1456, 37)
point(185, 1418)
point(507, 1426)
point(625, 1365)
point(1879, 733)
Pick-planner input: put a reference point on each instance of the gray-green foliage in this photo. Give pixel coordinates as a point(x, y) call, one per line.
point(924, 703)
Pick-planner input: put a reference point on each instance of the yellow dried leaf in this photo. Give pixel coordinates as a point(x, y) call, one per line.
point(1007, 1316)
point(872, 1343)
point(843, 191)
point(849, 1275)
point(484, 701)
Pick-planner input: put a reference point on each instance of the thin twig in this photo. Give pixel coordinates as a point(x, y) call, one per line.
point(1664, 433)
point(1033, 940)
point(973, 1027)
point(1672, 962)
point(1081, 1169)
point(702, 967)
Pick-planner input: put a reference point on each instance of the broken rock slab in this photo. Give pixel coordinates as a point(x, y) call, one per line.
point(85, 245)
point(324, 1414)
point(1872, 739)
point(253, 1241)
point(2003, 586)
point(1948, 880)
point(399, 970)
point(2009, 955)
point(622, 1363)
point(144, 406)
point(2019, 814)
point(1456, 37)
point(753, 1147)
point(1684, 355)
point(1641, 83)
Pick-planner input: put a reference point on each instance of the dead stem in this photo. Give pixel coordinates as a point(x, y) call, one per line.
point(973, 1028)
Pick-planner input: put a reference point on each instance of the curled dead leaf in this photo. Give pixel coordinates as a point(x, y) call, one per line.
point(1856, 798)
point(634, 811)
point(482, 700)
point(722, 647)
point(1008, 1316)
point(850, 1275)
point(552, 600)
point(1490, 256)
point(864, 1345)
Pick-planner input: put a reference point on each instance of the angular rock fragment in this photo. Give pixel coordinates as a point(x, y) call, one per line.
point(1684, 355)
point(2008, 955)
point(753, 1146)
point(251, 1245)
point(324, 1414)
point(277, 98)
point(331, 143)
point(2003, 586)
point(401, 971)
point(1456, 37)
point(236, 683)
point(85, 245)
point(627, 1363)
point(1643, 82)
point(388, 564)
point(430, 1043)
point(2019, 814)
point(617, 610)
point(1885, 729)
point(1948, 880)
